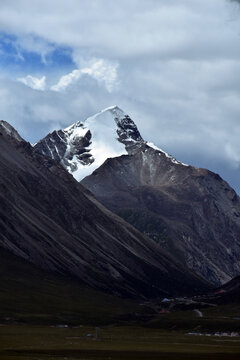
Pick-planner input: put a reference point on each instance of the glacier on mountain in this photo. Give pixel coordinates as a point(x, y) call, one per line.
point(84, 146)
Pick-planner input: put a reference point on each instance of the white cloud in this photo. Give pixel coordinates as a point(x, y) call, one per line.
point(126, 29)
point(67, 80)
point(102, 71)
point(34, 82)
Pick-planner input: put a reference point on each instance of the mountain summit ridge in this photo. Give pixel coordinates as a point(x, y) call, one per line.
point(84, 146)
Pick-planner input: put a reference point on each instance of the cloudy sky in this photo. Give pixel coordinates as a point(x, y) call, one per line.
point(172, 65)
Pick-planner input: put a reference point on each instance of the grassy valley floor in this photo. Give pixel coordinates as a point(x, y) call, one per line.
point(45, 316)
point(29, 342)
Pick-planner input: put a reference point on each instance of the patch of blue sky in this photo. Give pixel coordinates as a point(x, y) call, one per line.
point(15, 59)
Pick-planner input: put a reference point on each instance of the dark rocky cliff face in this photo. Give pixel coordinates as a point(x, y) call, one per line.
point(49, 219)
point(56, 147)
point(190, 212)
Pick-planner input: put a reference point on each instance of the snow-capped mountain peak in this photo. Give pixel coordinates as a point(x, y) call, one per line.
point(84, 146)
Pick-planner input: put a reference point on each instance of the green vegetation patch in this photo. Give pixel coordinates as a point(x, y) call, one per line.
point(110, 342)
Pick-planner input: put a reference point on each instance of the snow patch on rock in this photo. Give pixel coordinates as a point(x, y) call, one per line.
point(174, 161)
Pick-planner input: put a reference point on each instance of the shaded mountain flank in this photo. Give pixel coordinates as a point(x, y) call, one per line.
point(190, 212)
point(50, 220)
point(29, 294)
